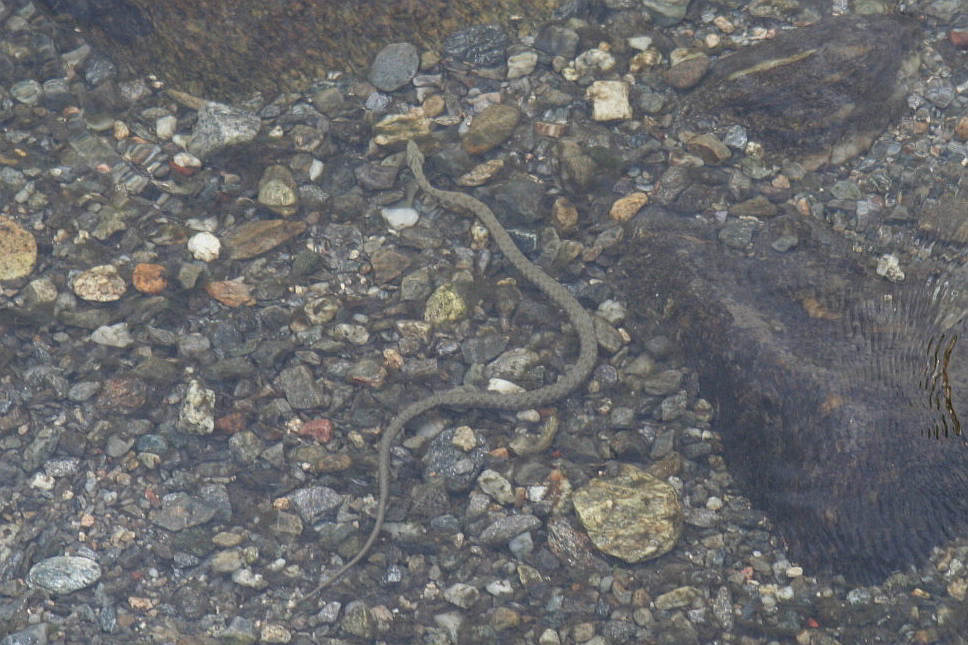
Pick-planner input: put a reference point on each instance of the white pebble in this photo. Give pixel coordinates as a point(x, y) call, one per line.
point(400, 218)
point(537, 493)
point(204, 246)
point(612, 310)
point(499, 588)
point(165, 127)
point(610, 100)
point(640, 42)
point(112, 335)
point(714, 503)
point(186, 160)
point(247, 578)
point(889, 267)
point(316, 169)
point(504, 386)
point(42, 481)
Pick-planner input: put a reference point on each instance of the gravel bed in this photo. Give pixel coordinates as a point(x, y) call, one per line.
point(209, 312)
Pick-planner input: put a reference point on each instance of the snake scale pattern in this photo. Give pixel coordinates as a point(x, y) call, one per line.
point(466, 397)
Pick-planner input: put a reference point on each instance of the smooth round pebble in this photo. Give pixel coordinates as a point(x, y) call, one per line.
point(64, 574)
point(400, 218)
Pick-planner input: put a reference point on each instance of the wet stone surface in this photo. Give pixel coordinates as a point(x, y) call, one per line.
point(209, 312)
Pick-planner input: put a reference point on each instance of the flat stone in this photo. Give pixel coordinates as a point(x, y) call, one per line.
point(180, 511)
point(632, 516)
point(610, 100)
point(254, 238)
point(490, 128)
point(64, 574)
point(18, 250)
point(219, 126)
point(394, 66)
point(507, 527)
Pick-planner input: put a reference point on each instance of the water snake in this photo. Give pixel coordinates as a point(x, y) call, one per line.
point(468, 397)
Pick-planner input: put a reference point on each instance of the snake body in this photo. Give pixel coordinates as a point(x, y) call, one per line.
point(466, 397)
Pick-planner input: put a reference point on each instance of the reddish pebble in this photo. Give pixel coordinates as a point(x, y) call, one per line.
point(230, 423)
point(959, 38)
point(319, 429)
point(149, 278)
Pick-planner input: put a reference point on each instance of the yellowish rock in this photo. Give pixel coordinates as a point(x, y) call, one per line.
point(632, 516)
point(445, 306)
point(625, 208)
point(18, 250)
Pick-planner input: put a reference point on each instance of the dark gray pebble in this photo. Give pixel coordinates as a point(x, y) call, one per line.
point(394, 66)
point(454, 466)
point(507, 527)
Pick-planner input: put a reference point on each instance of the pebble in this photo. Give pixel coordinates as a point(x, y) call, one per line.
point(505, 528)
point(455, 466)
point(18, 250)
point(64, 574)
point(116, 335)
point(400, 218)
point(489, 129)
point(220, 126)
point(610, 100)
point(251, 239)
point(149, 278)
point(99, 284)
point(197, 412)
point(28, 91)
point(394, 66)
point(496, 486)
point(480, 45)
point(165, 127)
point(632, 516)
point(204, 247)
point(521, 64)
point(300, 388)
point(278, 191)
point(625, 208)
point(462, 595)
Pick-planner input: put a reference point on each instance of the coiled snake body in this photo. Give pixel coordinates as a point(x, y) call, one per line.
point(465, 397)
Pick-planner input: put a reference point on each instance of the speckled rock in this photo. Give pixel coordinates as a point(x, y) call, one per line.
point(197, 413)
point(446, 305)
point(455, 464)
point(220, 126)
point(64, 574)
point(633, 515)
point(99, 284)
point(18, 250)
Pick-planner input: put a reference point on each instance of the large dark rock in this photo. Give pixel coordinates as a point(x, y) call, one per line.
point(839, 395)
point(820, 93)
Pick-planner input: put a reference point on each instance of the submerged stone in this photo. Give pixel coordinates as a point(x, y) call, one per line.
point(821, 93)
